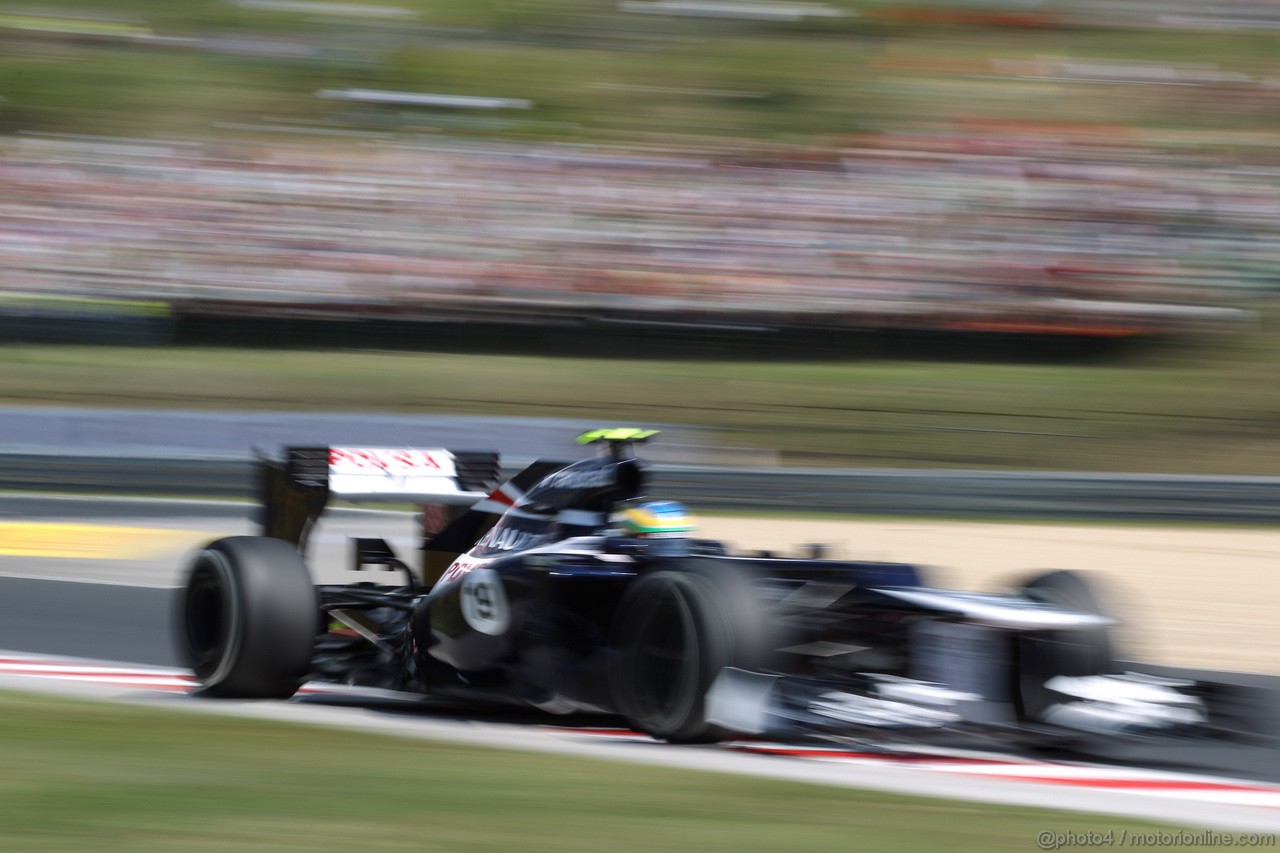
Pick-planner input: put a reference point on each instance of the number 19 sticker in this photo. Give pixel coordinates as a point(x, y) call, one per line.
point(484, 602)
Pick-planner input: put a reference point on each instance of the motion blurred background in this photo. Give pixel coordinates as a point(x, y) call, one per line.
point(1092, 185)
point(942, 234)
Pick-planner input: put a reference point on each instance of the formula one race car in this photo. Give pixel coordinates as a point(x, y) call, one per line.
point(569, 589)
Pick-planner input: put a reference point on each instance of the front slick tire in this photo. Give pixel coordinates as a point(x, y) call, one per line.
point(1045, 654)
point(676, 628)
point(247, 617)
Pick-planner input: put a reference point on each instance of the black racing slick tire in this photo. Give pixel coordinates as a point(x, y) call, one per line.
point(676, 628)
point(247, 618)
point(1046, 654)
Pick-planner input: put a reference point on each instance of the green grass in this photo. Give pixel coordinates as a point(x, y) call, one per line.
point(1207, 410)
point(83, 776)
point(820, 78)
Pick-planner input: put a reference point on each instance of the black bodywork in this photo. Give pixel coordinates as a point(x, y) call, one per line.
point(526, 594)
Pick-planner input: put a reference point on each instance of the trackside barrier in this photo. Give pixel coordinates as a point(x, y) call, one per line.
point(863, 491)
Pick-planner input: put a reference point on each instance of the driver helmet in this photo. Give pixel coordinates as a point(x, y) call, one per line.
point(656, 520)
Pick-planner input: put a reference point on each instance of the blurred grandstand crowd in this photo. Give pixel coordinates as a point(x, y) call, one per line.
point(1093, 223)
point(1001, 228)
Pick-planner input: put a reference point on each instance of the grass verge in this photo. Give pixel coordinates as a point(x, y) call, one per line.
point(72, 66)
point(1187, 410)
point(84, 776)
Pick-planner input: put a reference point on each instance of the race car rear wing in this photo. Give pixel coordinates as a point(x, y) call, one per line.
point(295, 490)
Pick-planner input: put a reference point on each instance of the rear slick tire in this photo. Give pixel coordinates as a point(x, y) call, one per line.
point(247, 619)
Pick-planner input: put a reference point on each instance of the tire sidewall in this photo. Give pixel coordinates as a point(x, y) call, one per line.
point(233, 596)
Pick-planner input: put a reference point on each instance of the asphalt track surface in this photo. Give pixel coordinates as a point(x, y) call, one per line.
point(73, 602)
